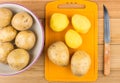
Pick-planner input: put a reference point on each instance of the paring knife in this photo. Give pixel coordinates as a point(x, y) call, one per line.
point(106, 42)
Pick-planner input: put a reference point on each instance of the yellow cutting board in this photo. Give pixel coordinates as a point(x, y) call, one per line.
point(90, 40)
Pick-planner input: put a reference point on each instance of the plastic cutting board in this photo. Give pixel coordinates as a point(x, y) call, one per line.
point(90, 40)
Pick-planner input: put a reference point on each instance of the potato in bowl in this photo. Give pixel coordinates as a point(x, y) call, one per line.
point(39, 33)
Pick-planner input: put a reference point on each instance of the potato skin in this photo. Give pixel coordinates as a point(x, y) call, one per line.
point(25, 39)
point(18, 59)
point(7, 34)
point(58, 53)
point(5, 17)
point(5, 49)
point(80, 63)
point(22, 21)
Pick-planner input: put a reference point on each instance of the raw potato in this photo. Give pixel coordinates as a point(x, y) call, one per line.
point(81, 23)
point(58, 53)
point(5, 49)
point(25, 39)
point(58, 22)
point(7, 34)
point(73, 39)
point(22, 21)
point(5, 17)
point(80, 63)
point(18, 59)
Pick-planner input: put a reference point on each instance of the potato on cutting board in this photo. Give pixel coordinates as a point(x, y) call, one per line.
point(58, 22)
point(81, 23)
point(80, 63)
point(58, 53)
point(73, 39)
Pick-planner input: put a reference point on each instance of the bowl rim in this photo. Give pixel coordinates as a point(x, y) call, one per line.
point(41, 26)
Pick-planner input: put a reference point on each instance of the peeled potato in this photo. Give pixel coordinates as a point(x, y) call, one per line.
point(80, 63)
point(73, 39)
point(58, 53)
point(7, 34)
point(22, 21)
point(5, 49)
point(18, 59)
point(81, 23)
point(58, 22)
point(5, 17)
point(25, 39)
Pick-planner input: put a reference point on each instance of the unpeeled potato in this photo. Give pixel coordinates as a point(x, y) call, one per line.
point(58, 53)
point(81, 23)
point(7, 34)
point(80, 63)
point(22, 21)
point(5, 17)
point(25, 39)
point(73, 39)
point(58, 22)
point(18, 59)
point(5, 49)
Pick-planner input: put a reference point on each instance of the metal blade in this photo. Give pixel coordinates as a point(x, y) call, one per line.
point(106, 26)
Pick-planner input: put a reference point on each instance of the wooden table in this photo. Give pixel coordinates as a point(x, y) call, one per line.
point(36, 73)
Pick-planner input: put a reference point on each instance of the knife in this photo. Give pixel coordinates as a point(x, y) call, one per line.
point(106, 42)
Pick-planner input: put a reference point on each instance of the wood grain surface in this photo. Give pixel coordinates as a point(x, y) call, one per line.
point(36, 73)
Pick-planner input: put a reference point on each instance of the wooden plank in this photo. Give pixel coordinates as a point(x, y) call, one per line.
point(38, 7)
point(115, 31)
point(112, 78)
point(115, 57)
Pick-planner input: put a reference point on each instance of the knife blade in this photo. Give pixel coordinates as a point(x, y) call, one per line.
point(106, 42)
